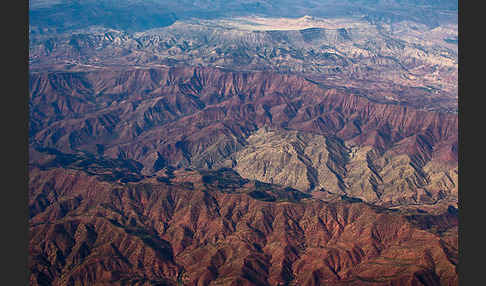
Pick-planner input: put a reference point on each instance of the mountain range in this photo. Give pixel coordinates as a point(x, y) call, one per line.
point(243, 142)
point(188, 227)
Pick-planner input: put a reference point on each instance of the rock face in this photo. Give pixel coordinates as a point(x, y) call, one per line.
point(188, 227)
point(325, 139)
point(311, 162)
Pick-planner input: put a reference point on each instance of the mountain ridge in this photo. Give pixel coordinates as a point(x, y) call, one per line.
point(204, 117)
point(188, 229)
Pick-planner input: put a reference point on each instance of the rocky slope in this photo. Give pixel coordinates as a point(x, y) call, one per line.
point(329, 167)
point(402, 62)
point(187, 227)
point(211, 118)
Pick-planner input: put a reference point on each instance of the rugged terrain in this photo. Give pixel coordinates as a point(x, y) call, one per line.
point(328, 168)
point(277, 128)
point(188, 227)
point(397, 62)
point(247, 142)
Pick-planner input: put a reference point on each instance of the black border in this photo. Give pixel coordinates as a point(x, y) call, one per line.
point(460, 265)
point(15, 115)
point(471, 147)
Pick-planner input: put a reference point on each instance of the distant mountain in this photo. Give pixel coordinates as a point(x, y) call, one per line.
point(405, 62)
point(126, 15)
point(132, 15)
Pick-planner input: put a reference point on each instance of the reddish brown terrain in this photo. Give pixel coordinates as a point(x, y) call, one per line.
point(206, 118)
point(202, 176)
point(89, 226)
point(243, 143)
